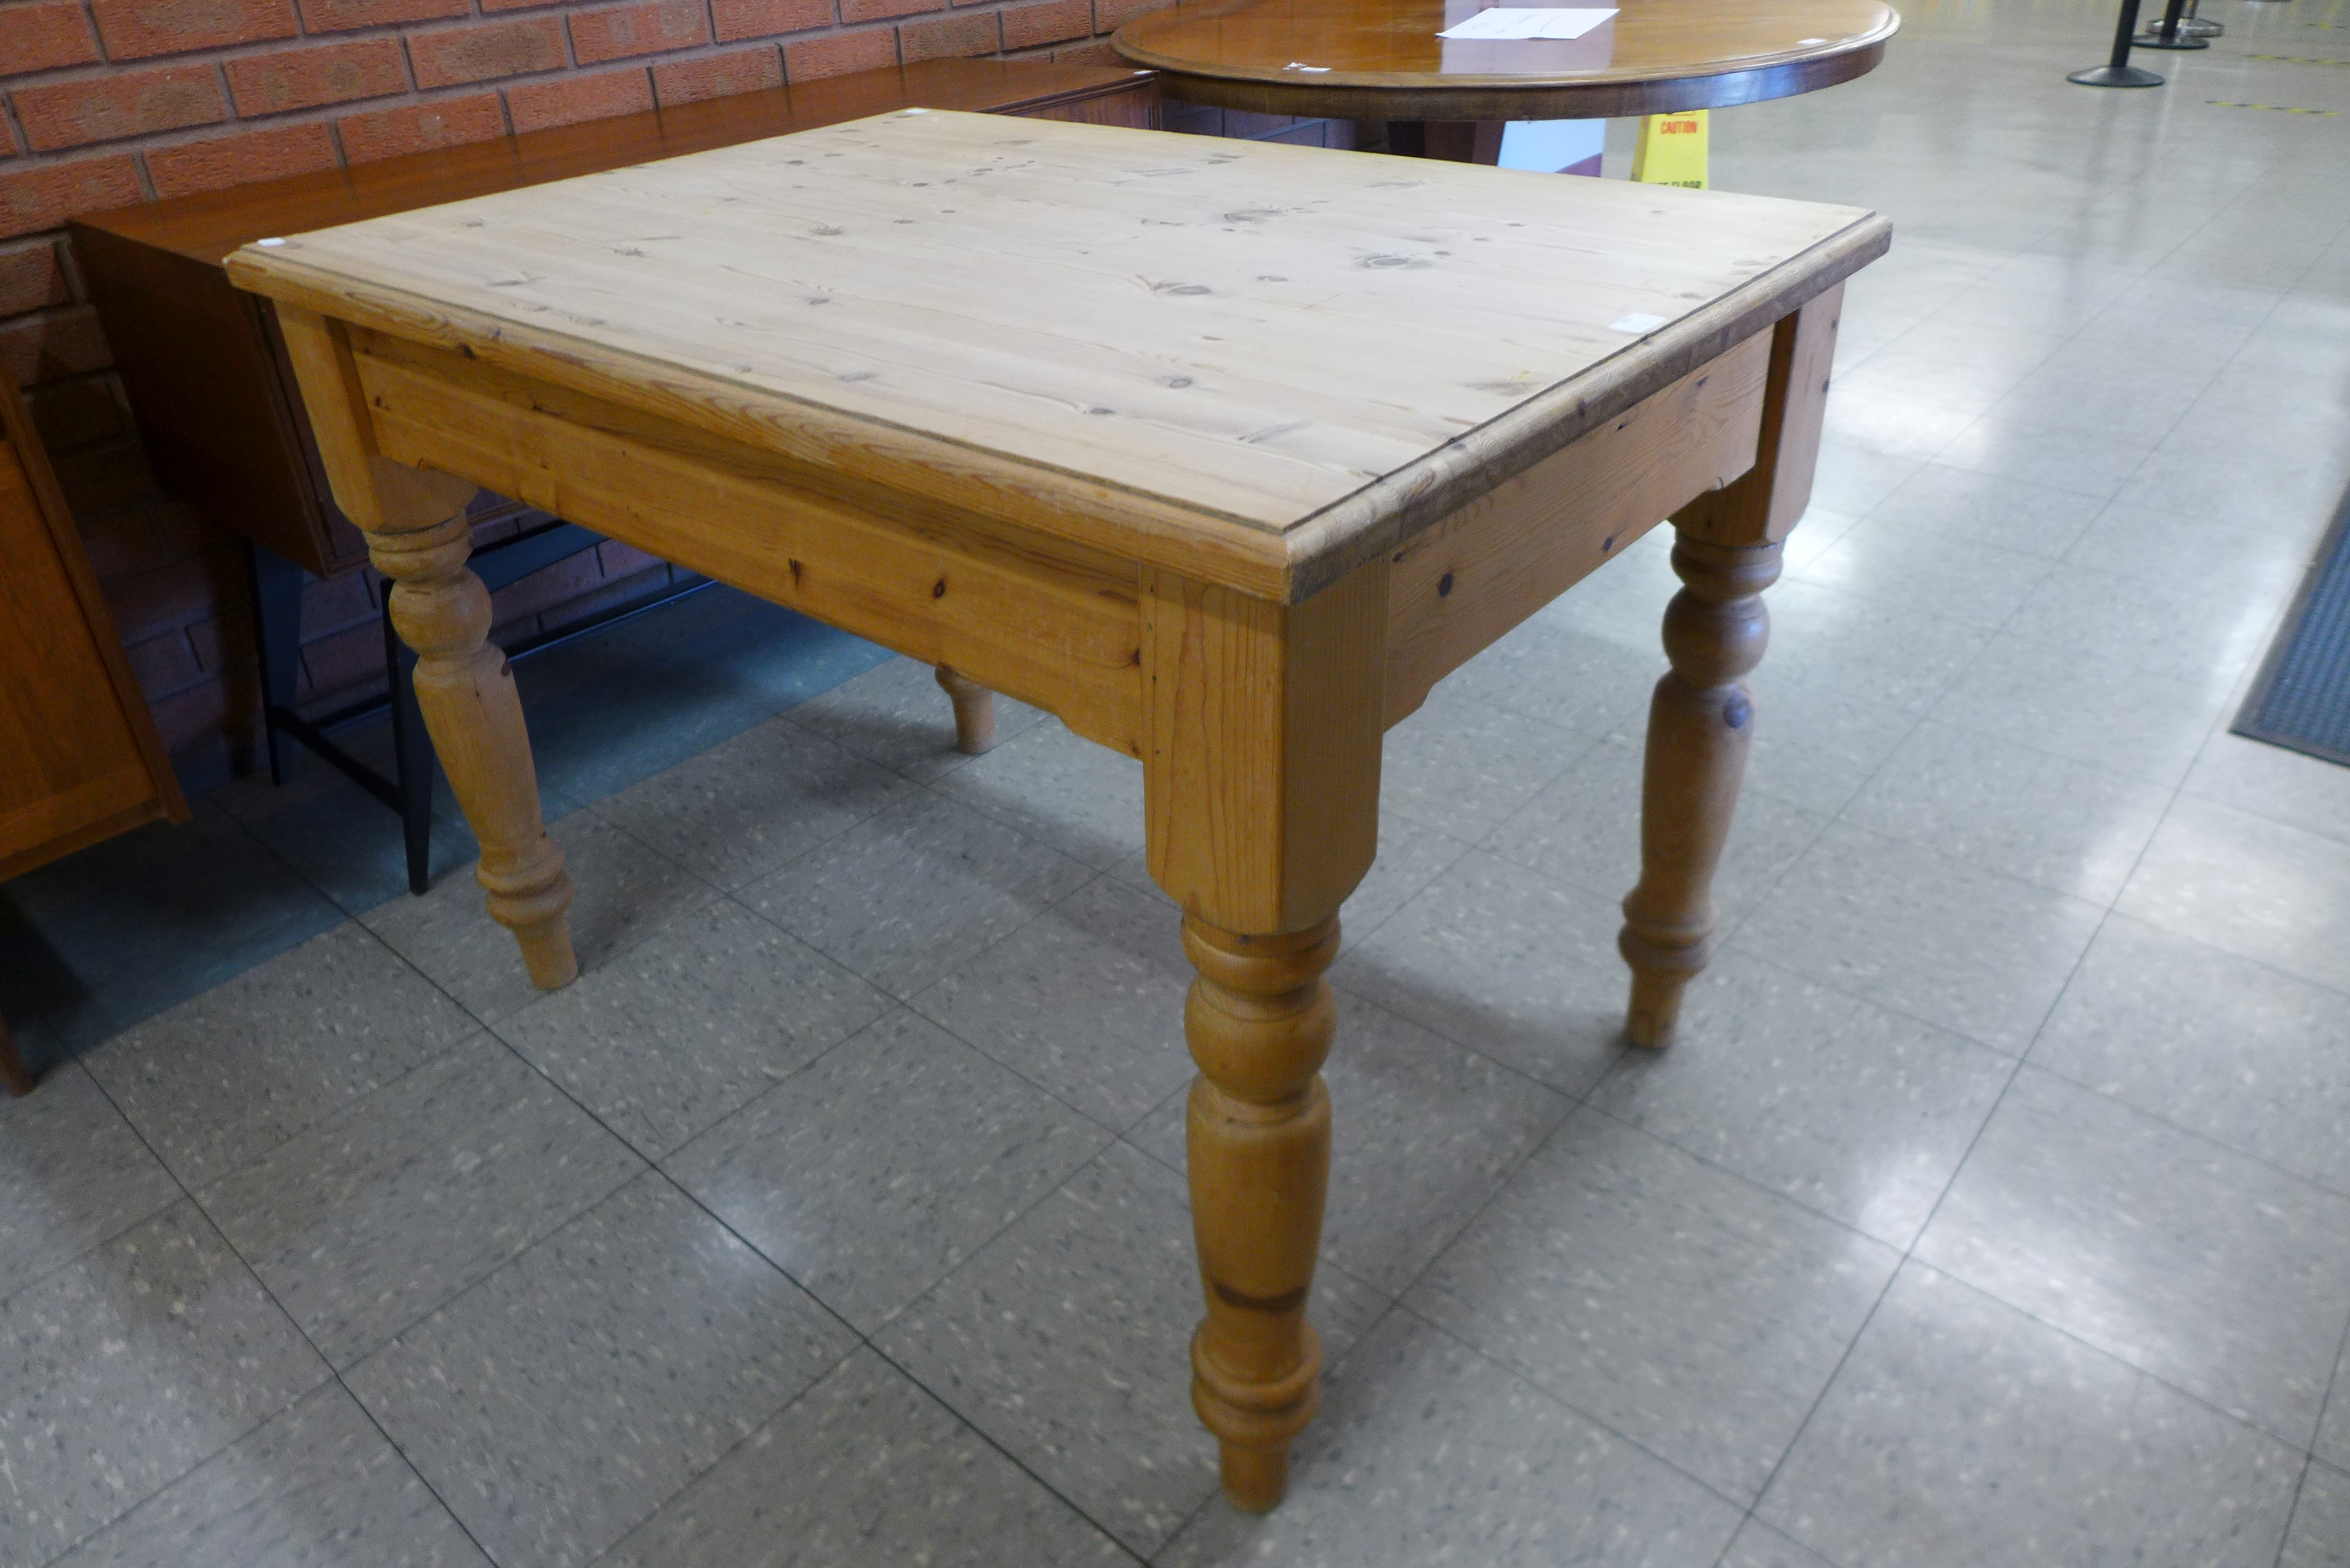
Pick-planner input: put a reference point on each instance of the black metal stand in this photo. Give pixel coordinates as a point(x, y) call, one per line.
point(277, 586)
point(2119, 72)
point(2169, 36)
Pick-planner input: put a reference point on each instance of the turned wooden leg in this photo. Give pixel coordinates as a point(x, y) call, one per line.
point(974, 711)
point(417, 535)
point(1699, 725)
point(465, 688)
point(1261, 790)
point(1259, 1020)
point(14, 1076)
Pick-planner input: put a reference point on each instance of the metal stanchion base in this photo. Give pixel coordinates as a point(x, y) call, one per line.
point(2114, 76)
point(2155, 41)
point(2196, 27)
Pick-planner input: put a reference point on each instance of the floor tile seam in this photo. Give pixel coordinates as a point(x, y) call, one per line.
point(1852, 824)
point(1900, 1252)
point(1828, 983)
point(270, 850)
point(1350, 937)
point(597, 1202)
point(652, 1171)
point(1499, 1185)
point(2293, 1513)
point(858, 1340)
point(662, 856)
point(348, 1108)
point(1927, 534)
point(970, 1252)
point(984, 1436)
point(1544, 782)
point(1827, 1386)
point(1518, 1374)
point(1726, 930)
point(1041, 909)
point(950, 1030)
point(2332, 1387)
point(604, 1553)
point(2299, 1179)
point(661, 1162)
point(931, 1289)
point(2170, 795)
point(262, 1420)
point(2301, 1451)
point(1991, 730)
point(1475, 1049)
point(127, 1227)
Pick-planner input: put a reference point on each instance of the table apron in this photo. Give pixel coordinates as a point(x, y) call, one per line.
point(1461, 583)
point(1037, 619)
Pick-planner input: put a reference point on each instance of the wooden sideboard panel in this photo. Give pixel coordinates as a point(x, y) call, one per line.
point(80, 758)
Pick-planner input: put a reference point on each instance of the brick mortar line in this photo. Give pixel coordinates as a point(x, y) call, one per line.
point(236, 118)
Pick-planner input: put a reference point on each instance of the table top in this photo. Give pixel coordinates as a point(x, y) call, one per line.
point(1281, 357)
point(1371, 59)
point(206, 227)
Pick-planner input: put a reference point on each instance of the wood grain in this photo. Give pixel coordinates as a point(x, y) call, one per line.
point(1381, 59)
point(79, 757)
point(1764, 506)
point(1050, 624)
point(201, 363)
point(1155, 345)
point(1261, 782)
point(1459, 585)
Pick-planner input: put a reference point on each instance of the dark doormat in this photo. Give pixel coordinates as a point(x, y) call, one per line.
point(2301, 699)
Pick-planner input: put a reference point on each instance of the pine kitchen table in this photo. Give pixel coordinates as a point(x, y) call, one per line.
point(1223, 451)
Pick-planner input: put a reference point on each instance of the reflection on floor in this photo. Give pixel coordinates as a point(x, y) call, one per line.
point(1994, 1209)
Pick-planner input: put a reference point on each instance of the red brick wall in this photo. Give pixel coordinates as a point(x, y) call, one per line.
point(108, 102)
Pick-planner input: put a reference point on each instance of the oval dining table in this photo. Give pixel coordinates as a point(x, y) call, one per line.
point(1382, 60)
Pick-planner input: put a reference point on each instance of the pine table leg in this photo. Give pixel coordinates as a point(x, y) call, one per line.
point(974, 712)
point(1260, 1019)
point(1701, 722)
point(417, 533)
point(465, 688)
point(1261, 791)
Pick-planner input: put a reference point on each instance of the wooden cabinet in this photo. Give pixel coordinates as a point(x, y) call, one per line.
point(80, 758)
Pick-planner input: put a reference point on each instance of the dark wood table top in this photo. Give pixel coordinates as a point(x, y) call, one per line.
point(207, 227)
point(1381, 59)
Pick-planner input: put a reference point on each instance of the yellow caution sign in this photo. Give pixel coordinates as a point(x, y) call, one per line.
point(1671, 149)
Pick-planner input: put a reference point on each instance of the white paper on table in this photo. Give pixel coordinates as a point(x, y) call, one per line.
point(1522, 22)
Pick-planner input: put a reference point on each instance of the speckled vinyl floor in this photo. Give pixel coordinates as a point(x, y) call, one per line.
point(1994, 1209)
